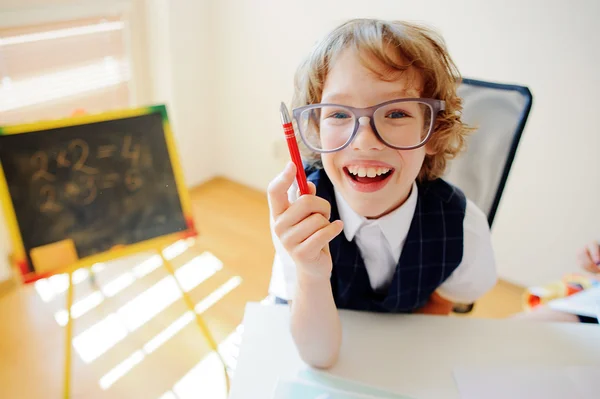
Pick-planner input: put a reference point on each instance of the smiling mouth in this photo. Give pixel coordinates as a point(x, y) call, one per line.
point(368, 175)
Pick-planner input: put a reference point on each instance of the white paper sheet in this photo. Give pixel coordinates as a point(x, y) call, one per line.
point(574, 382)
point(585, 303)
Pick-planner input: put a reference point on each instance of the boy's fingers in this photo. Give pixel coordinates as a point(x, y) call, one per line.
point(303, 208)
point(301, 231)
point(592, 268)
point(594, 250)
point(278, 190)
point(311, 187)
point(311, 248)
point(585, 261)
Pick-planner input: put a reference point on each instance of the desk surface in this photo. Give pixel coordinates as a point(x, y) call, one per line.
point(413, 355)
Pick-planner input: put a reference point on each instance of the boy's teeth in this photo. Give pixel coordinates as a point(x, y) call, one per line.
point(367, 172)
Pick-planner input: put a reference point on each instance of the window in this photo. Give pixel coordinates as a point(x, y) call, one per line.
point(54, 70)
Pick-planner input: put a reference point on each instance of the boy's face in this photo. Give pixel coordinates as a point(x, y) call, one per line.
point(350, 83)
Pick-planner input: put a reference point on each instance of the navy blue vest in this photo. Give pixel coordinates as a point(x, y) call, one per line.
point(432, 251)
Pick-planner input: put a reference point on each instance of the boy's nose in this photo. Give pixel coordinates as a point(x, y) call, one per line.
point(366, 139)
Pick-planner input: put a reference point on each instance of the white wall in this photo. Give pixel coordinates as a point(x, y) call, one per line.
point(182, 69)
point(550, 205)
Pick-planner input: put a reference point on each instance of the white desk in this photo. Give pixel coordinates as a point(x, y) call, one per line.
point(412, 355)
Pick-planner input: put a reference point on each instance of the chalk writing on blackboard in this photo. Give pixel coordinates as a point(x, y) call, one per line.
point(49, 204)
point(81, 149)
point(90, 190)
point(39, 160)
point(131, 153)
point(106, 151)
point(109, 180)
point(86, 181)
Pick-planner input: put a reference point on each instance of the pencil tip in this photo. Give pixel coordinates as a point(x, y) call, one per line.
point(285, 116)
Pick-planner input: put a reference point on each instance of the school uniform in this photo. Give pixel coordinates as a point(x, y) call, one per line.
point(437, 240)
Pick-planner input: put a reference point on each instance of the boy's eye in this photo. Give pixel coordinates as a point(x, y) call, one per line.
point(396, 114)
point(339, 115)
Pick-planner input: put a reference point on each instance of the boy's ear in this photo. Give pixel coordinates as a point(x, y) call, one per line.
point(429, 150)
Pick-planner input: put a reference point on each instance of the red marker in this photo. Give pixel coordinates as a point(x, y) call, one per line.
point(290, 137)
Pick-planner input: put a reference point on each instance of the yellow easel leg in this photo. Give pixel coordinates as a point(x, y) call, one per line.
point(203, 327)
point(69, 336)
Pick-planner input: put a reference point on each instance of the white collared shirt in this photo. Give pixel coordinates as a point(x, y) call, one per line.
point(380, 242)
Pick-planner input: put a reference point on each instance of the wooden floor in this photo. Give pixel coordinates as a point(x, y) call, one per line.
point(134, 343)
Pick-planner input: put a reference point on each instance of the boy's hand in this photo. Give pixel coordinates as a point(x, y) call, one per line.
point(436, 305)
point(589, 257)
point(303, 226)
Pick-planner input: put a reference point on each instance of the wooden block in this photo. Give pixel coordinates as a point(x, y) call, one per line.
point(54, 256)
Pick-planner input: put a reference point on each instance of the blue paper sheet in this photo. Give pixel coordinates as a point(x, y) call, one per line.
point(311, 384)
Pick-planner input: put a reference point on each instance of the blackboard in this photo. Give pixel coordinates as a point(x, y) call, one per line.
point(97, 181)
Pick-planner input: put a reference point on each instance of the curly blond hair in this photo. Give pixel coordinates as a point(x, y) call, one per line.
point(396, 46)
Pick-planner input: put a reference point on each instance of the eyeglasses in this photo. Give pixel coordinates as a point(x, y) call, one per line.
point(403, 124)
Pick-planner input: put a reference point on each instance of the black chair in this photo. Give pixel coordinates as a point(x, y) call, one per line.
point(499, 112)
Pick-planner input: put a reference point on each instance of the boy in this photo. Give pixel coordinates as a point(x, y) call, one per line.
point(376, 109)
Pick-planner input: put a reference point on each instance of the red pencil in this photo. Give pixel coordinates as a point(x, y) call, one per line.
point(290, 138)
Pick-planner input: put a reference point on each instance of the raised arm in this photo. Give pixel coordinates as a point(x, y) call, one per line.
point(304, 231)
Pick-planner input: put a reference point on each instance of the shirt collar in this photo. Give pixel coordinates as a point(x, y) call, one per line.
point(394, 225)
